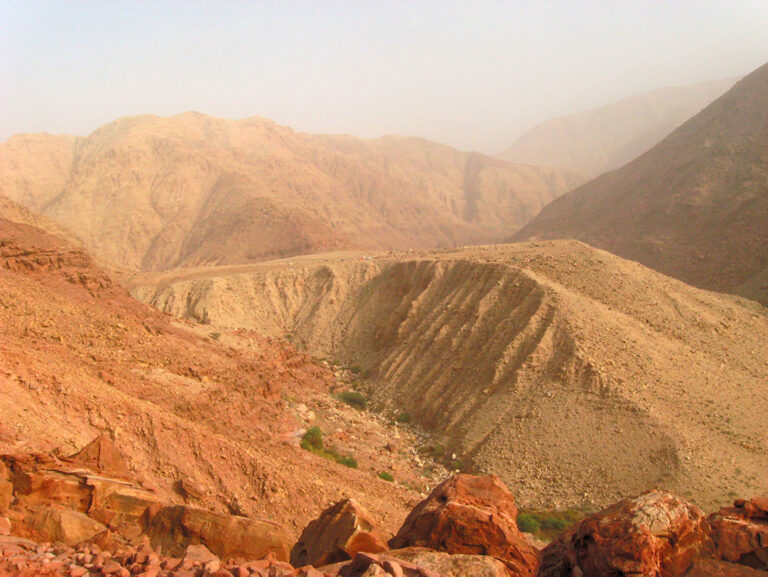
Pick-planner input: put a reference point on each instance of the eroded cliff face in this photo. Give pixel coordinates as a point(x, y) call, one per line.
point(575, 375)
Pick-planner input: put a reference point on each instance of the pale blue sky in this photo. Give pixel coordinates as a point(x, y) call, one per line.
point(470, 74)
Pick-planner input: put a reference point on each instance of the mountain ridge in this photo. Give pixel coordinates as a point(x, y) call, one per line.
point(694, 207)
point(607, 137)
point(151, 193)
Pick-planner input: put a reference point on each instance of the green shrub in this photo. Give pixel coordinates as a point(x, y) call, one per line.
point(353, 399)
point(312, 440)
point(215, 336)
point(347, 461)
point(554, 523)
point(528, 523)
point(403, 417)
point(386, 476)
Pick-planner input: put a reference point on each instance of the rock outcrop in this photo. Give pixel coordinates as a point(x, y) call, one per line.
point(740, 533)
point(176, 527)
point(472, 515)
point(655, 534)
point(341, 531)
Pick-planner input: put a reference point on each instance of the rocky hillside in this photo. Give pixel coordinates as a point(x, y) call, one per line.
point(153, 193)
point(575, 375)
point(694, 207)
point(208, 419)
point(606, 138)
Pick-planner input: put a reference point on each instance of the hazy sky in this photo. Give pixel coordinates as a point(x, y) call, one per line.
point(471, 74)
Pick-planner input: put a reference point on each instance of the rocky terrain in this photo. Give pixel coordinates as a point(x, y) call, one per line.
point(65, 517)
point(694, 207)
point(576, 376)
point(151, 193)
point(213, 420)
point(606, 138)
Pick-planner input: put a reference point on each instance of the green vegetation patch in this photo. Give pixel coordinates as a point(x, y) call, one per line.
point(386, 476)
point(312, 441)
point(353, 399)
point(547, 524)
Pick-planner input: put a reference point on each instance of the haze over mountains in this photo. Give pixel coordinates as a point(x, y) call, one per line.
point(608, 137)
point(153, 193)
point(337, 336)
point(694, 207)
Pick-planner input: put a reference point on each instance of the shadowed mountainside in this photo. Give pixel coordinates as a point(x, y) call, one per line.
point(608, 137)
point(694, 207)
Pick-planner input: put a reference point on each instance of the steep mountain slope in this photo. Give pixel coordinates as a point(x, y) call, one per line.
point(694, 207)
point(575, 375)
point(606, 138)
point(79, 357)
point(153, 193)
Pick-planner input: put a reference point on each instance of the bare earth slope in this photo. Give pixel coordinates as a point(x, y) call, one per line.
point(694, 207)
point(606, 138)
point(79, 358)
point(153, 193)
point(577, 376)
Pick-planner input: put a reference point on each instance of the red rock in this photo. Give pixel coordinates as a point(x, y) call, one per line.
point(102, 454)
point(368, 564)
point(199, 553)
point(59, 524)
point(170, 563)
point(446, 564)
point(472, 515)
point(111, 567)
point(6, 489)
point(173, 528)
point(341, 531)
point(740, 533)
point(77, 571)
point(5, 526)
point(717, 568)
point(655, 534)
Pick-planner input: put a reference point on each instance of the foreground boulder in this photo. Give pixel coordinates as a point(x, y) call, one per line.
point(740, 533)
point(175, 528)
point(341, 531)
point(471, 515)
point(656, 534)
point(58, 524)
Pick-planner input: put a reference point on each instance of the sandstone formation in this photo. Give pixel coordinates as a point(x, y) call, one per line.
point(694, 207)
point(153, 193)
point(472, 516)
point(606, 138)
point(341, 531)
point(740, 533)
point(576, 376)
point(175, 528)
point(655, 534)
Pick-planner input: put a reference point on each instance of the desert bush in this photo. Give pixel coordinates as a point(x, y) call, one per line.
point(353, 399)
point(347, 461)
point(312, 441)
point(386, 476)
point(528, 523)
